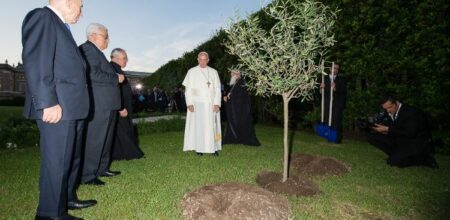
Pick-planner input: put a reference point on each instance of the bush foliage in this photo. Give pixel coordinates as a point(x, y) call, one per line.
point(382, 46)
point(17, 132)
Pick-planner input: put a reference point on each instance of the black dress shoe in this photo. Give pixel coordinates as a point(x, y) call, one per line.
point(63, 217)
point(199, 154)
point(110, 173)
point(95, 181)
point(80, 204)
point(216, 154)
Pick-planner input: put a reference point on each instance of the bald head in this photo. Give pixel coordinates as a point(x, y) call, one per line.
point(69, 9)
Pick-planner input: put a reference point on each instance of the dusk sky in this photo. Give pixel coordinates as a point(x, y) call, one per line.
point(152, 31)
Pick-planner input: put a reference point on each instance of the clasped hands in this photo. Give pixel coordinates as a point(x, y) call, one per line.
point(216, 108)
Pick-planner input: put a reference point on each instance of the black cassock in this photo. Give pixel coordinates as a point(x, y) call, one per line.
point(125, 144)
point(238, 110)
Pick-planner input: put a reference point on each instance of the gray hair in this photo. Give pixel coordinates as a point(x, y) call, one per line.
point(203, 53)
point(94, 28)
point(117, 51)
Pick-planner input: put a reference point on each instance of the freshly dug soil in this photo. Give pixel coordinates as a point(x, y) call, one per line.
point(234, 201)
point(302, 166)
point(294, 185)
point(313, 165)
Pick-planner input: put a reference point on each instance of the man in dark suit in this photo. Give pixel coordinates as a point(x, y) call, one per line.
point(155, 99)
point(338, 84)
point(406, 137)
point(104, 94)
point(57, 98)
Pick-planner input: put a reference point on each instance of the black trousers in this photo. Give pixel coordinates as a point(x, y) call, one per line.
point(60, 147)
point(336, 120)
point(99, 138)
point(396, 156)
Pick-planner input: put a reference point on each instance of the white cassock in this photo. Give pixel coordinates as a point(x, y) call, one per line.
point(202, 132)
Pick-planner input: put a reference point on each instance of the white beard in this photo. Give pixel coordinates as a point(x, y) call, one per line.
point(233, 80)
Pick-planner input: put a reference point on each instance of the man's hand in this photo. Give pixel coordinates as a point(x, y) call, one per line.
point(52, 114)
point(227, 97)
point(123, 113)
point(322, 85)
point(190, 108)
point(333, 86)
point(216, 108)
point(380, 128)
point(121, 77)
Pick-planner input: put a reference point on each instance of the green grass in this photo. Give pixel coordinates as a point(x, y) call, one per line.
point(152, 188)
point(10, 111)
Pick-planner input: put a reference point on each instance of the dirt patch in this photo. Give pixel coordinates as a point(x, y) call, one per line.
point(294, 185)
point(313, 165)
point(301, 167)
point(230, 201)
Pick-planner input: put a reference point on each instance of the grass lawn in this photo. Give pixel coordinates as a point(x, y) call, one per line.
point(8, 111)
point(152, 188)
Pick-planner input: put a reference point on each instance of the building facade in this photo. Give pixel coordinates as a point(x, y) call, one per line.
point(12, 81)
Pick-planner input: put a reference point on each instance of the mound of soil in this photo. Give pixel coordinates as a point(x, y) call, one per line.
point(294, 185)
point(234, 201)
point(313, 165)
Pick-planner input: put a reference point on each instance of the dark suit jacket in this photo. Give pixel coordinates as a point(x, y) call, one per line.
point(339, 95)
point(54, 68)
point(410, 132)
point(102, 79)
point(125, 90)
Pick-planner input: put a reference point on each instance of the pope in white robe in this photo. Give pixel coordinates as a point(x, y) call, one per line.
point(203, 98)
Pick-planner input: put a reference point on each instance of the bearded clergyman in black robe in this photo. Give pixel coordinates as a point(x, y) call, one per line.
point(238, 110)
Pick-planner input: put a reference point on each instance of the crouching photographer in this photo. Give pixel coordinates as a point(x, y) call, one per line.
point(404, 135)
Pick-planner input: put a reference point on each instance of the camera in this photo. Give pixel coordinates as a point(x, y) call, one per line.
point(381, 117)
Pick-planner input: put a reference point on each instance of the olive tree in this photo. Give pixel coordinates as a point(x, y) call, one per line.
point(287, 58)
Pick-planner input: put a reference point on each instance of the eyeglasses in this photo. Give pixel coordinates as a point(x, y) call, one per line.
point(106, 37)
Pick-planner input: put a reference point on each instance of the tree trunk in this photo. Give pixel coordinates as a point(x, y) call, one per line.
point(286, 143)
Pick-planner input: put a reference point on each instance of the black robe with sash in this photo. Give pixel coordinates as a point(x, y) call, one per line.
point(238, 110)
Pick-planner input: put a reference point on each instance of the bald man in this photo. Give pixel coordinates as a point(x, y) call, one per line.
point(57, 98)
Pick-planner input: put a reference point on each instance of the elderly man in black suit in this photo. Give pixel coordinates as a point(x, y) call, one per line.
point(406, 138)
point(104, 94)
point(57, 98)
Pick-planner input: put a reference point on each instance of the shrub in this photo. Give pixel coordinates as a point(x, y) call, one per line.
point(18, 132)
point(16, 101)
point(163, 125)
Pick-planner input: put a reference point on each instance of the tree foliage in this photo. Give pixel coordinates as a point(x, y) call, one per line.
point(286, 59)
point(395, 45)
